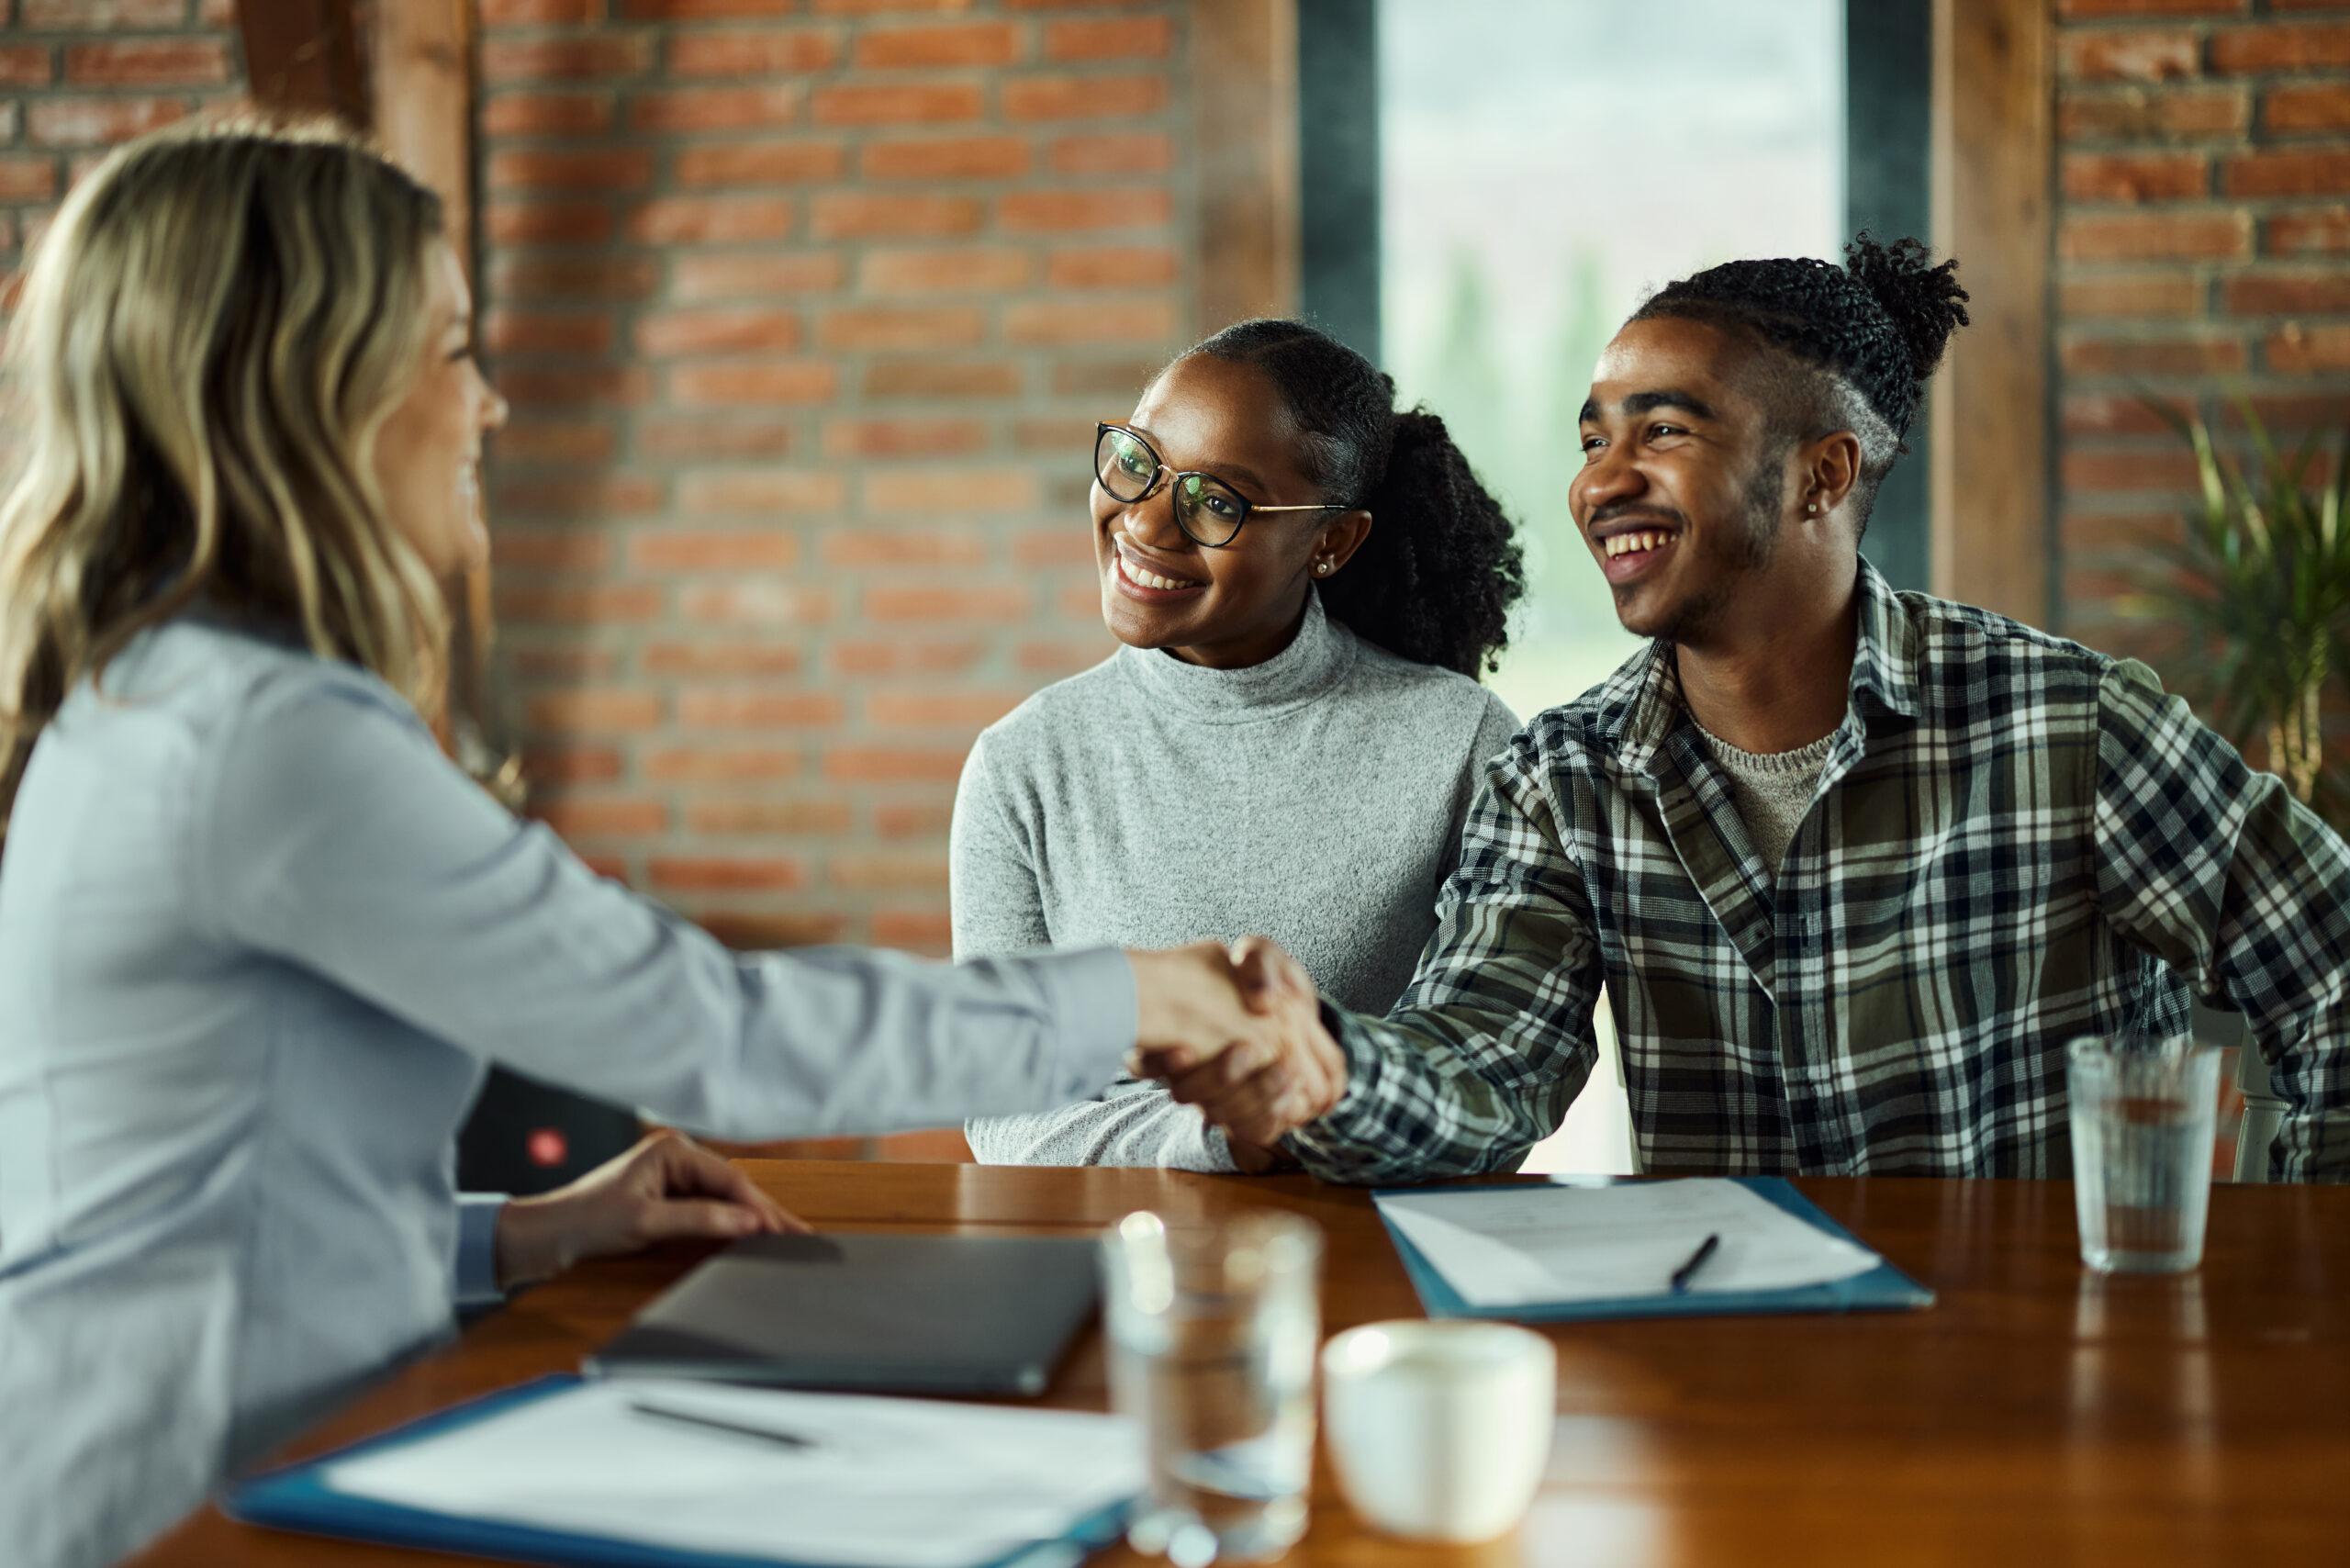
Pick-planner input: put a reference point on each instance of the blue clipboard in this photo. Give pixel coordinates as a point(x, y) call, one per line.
point(295, 1498)
point(1881, 1289)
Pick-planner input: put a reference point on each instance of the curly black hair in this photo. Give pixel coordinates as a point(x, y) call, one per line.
point(1435, 579)
point(1868, 334)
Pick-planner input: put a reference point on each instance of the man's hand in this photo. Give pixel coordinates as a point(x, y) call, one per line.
point(665, 1188)
point(1280, 1069)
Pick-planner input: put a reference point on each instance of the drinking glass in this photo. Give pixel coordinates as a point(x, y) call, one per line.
point(1212, 1338)
point(2145, 1113)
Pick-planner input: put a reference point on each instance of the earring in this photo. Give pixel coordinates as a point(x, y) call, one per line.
point(1321, 568)
point(1811, 509)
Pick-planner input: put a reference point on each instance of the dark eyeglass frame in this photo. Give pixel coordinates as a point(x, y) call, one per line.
point(1248, 508)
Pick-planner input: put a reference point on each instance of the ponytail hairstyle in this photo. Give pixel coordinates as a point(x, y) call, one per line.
point(1435, 579)
point(211, 335)
point(1855, 342)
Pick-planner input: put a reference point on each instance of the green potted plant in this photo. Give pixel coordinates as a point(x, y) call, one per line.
point(2259, 581)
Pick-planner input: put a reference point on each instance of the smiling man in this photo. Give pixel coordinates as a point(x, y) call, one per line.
point(1851, 866)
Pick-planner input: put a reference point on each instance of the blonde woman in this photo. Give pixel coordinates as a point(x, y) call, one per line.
point(258, 939)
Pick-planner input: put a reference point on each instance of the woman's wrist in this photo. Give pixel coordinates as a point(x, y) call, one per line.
point(667, 1188)
point(532, 1244)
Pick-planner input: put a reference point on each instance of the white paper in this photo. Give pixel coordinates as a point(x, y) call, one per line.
point(885, 1482)
point(1522, 1246)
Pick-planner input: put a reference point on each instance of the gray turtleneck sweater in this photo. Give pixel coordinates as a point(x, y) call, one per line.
point(1316, 798)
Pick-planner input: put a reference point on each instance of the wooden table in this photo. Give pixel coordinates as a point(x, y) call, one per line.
point(2038, 1413)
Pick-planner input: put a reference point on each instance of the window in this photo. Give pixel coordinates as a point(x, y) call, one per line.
point(1544, 165)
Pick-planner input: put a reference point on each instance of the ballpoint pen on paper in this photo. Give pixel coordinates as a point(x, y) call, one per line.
point(1687, 1271)
point(718, 1424)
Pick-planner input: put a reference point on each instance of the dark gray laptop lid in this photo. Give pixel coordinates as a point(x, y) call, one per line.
point(869, 1310)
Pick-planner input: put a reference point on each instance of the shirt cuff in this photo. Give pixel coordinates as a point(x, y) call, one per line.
point(1095, 1011)
point(1361, 1051)
point(1339, 1143)
point(475, 1281)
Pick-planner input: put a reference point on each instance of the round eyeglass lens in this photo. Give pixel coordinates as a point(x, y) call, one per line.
point(1125, 465)
point(1209, 511)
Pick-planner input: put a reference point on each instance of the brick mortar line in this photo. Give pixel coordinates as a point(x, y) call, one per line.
point(2205, 25)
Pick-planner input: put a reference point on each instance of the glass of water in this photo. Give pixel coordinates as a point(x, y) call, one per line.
point(1212, 1341)
point(2144, 1113)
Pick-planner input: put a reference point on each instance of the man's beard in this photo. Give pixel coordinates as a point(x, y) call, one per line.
point(1745, 556)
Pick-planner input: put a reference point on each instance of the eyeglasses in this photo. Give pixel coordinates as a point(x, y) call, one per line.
point(1208, 511)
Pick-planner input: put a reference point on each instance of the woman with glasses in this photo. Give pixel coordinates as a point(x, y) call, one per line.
point(1307, 583)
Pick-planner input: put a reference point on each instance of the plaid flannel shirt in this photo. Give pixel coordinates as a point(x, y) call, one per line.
point(2015, 841)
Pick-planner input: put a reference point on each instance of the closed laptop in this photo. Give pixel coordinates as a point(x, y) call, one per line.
point(876, 1311)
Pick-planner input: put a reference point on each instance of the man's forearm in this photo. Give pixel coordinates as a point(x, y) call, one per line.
point(1416, 1107)
point(1464, 1079)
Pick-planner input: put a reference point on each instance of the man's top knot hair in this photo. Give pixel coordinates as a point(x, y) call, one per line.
point(1880, 322)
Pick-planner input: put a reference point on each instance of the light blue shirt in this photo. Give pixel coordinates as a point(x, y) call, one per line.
point(258, 941)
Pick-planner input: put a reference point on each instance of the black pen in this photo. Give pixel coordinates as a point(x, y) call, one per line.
point(1687, 1271)
point(765, 1434)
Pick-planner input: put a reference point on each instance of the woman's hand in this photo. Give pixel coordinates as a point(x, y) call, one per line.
point(668, 1187)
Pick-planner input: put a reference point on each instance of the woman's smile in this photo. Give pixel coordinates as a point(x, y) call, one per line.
point(1138, 578)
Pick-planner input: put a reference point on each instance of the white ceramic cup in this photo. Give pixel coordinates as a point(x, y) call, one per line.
point(1439, 1431)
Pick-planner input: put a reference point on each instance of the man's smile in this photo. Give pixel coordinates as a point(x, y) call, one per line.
point(1631, 548)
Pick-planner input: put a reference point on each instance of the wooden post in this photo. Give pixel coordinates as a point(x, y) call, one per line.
point(400, 71)
point(1244, 102)
point(1993, 135)
point(303, 56)
point(422, 57)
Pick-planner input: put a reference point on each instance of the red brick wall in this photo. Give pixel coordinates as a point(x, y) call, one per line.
point(78, 76)
point(806, 312)
point(2203, 245)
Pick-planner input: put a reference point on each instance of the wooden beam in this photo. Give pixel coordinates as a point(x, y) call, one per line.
point(1993, 169)
point(1244, 102)
point(421, 55)
point(302, 56)
point(421, 52)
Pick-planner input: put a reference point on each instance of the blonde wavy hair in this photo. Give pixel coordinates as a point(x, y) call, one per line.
point(211, 335)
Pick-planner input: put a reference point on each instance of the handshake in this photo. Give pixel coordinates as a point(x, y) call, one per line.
point(1238, 1032)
